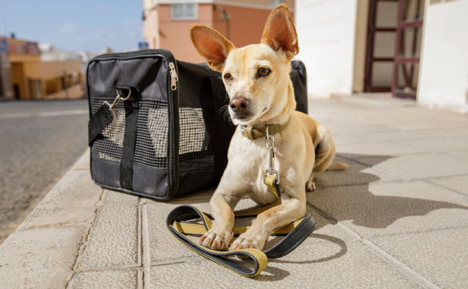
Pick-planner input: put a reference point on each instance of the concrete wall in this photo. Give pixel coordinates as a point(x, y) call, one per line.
point(151, 29)
point(326, 30)
point(51, 69)
point(43, 71)
point(149, 4)
point(174, 35)
point(246, 23)
point(73, 92)
point(18, 80)
point(444, 56)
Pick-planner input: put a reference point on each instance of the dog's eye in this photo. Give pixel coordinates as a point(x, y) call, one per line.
point(227, 77)
point(263, 72)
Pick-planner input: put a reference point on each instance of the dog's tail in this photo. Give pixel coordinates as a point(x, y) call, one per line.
point(337, 167)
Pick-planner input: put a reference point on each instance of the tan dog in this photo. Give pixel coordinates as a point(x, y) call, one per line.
point(261, 93)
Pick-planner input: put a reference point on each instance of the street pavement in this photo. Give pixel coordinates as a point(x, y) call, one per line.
point(397, 218)
point(39, 142)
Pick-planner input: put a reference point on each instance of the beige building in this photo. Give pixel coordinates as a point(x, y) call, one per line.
point(167, 22)
point(415, 49)
point(31, 78)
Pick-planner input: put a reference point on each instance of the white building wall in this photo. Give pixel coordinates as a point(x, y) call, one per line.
point(326, 30)
point(444, 56)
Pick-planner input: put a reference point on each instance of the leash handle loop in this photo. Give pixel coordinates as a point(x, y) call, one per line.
point(186, 212)
point(178, 224)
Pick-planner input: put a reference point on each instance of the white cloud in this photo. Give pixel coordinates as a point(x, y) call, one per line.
point(69, 29)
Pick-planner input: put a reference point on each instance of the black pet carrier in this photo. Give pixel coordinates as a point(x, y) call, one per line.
point(157, 128)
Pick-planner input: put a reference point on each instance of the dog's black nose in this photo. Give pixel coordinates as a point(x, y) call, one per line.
point(238, 104)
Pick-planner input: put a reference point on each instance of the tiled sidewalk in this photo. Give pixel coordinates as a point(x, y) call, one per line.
point(397, 218)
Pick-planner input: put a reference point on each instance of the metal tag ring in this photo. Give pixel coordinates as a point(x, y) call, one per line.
point(128, 96)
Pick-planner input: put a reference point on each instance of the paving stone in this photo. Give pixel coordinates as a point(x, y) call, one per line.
point(458, 183)
point(366, 160)
point(377, 149)
point(355, 174)
point(72, 200)
point(113, 197)
point(113, 240)
point(391, 208)
point(403, 135)
point(351, 139)
point(199, 196)
point(163, 246)
point(445, 144)
point(416, 123)
point(439, 256)
point(333, 264)
point(375, 100)
point(111, 279)
point(356, 129)
point(463, 155)
point(457, 132)
point(421, 166)
point(40, 258)
point(195, 274)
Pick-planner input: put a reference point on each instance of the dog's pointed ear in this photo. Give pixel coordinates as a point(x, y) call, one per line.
point(280, 33)
point(211, 45)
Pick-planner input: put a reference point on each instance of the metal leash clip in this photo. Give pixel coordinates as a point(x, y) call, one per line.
point(117, 99)
point(270, 143)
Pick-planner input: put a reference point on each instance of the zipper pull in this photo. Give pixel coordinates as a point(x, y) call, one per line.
point(174, 77)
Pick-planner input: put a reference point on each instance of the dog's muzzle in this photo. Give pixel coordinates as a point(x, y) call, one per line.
point(240, 108)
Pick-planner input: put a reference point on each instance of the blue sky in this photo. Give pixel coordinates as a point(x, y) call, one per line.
point(80, 25)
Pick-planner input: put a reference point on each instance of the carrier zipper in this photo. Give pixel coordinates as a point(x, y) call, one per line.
point(173, 109)
point(174, 77)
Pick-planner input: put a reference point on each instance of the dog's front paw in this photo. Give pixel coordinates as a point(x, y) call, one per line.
point(310, 187)
point(245, 241)
point(216, 239)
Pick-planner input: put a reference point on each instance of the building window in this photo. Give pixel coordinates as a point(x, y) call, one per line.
point(185, 11)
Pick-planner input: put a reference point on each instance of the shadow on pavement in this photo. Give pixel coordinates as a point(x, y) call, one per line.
point(359, 204)
point(346, 195)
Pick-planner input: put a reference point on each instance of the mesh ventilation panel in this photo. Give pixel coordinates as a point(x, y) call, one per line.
point(110, 147)
point(195, 148)
point(151, 138)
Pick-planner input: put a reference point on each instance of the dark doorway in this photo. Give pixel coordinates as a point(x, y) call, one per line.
point(407, 48)
point(380, 49)
point(16, 91)
point(393, 46)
